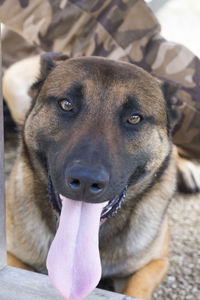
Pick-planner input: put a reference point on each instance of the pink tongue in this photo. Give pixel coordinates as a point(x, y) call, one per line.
point(73, 260)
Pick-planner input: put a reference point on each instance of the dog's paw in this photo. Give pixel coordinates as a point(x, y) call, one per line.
point(188, 175)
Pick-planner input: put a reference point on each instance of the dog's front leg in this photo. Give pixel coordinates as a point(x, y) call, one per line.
point(13, 261)
point(142, 284)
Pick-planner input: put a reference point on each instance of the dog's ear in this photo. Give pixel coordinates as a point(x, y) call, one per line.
point(18, 78)
point(170, 90)
point(48, 62)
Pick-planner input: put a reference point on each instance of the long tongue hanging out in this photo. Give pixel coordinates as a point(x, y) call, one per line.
point(73, 260)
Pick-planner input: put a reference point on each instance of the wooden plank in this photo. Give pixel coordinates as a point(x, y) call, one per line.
point(2, 183)
point(18, 284)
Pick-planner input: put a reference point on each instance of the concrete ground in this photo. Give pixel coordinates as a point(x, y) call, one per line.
point(183, 279)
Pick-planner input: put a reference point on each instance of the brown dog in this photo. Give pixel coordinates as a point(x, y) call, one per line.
point(97, 130)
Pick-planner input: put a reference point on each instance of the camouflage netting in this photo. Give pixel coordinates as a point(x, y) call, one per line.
point(117, 29)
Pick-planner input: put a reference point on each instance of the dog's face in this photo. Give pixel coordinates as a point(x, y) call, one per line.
point(97, 126)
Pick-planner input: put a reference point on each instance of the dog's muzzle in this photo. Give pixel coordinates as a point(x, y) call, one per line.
point(109, 210)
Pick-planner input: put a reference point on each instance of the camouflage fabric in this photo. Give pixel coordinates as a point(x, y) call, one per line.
point(118, 29)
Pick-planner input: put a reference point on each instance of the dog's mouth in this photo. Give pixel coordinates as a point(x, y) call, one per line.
point(110, 208)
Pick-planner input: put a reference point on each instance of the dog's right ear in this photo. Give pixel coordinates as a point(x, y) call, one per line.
point(19, 77)
point(48, 62)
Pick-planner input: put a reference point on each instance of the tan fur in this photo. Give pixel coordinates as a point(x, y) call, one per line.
point(133, 243)
point(33, 250)
point(16, 263)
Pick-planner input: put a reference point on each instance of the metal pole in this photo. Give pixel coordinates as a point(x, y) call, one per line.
point(2, 180)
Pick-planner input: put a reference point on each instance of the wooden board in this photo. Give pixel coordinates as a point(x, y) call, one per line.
point(18, 284)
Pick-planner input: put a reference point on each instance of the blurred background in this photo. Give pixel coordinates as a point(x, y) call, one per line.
point(180, 21)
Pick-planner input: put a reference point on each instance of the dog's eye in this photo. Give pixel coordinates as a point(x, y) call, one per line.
point(66, 105)
point(134, 119)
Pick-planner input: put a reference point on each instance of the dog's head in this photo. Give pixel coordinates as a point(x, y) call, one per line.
point(97, 126)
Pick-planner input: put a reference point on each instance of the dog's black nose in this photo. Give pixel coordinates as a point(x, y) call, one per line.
point(85, 183)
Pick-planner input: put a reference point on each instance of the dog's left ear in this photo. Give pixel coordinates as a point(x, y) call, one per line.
point(170, 90)
point(48, 62)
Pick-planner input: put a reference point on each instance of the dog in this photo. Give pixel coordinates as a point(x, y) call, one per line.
point(94, 175)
